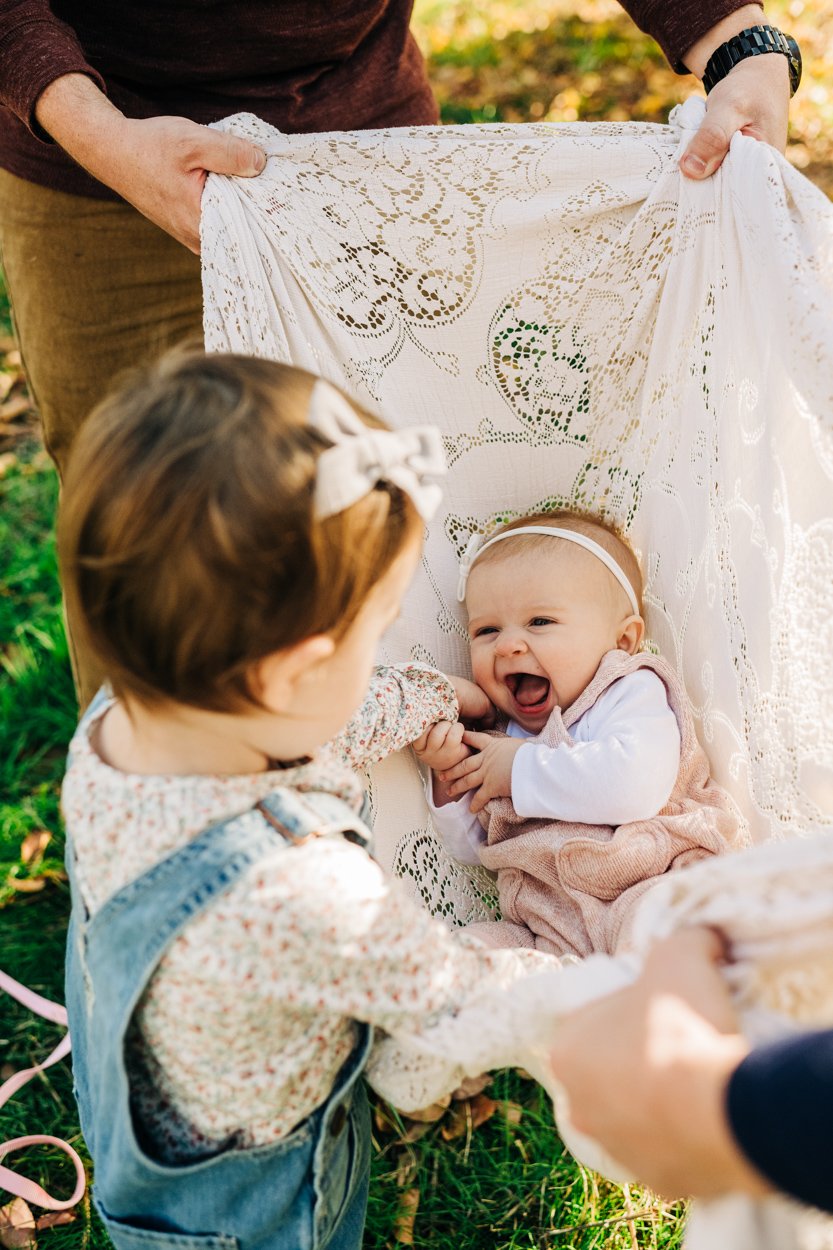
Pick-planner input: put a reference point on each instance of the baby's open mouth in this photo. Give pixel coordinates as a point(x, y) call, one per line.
point(529, 690)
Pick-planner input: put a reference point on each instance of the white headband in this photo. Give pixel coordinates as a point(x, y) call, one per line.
point(476, 546)
point(361, 457)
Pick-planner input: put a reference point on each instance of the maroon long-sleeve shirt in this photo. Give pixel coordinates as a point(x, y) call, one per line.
point(303, 65)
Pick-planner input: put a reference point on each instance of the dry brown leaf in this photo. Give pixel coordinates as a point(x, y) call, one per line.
point(53, 1218)
point(456, 1122)
point(383, 1122)
point(414, 1132)
point(26, 885)
point(468, 1115)
point(471, 1086)
point(482, 1109)
point(7, 381)
point(403, 1229)
point(7, 1070)
point(7, 461)
point(17, 1226)
point(34, 845)
point(430, 1115)
point(15, 407)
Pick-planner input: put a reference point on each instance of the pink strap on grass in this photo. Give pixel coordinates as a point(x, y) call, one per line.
point(10, 1181)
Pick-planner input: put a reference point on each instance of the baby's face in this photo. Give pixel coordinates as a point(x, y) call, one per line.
point(540, 621)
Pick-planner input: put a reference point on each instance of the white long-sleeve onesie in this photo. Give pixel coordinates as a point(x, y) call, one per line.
point(621, 767)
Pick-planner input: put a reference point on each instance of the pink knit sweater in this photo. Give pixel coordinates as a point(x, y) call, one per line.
point(570, 888)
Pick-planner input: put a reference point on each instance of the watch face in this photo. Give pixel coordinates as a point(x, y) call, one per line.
point(794, 59)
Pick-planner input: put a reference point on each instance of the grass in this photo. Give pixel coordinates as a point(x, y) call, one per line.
point(508, 1184)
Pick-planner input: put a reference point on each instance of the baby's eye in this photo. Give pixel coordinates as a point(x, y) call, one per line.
point(542, 620)
point(483, 630)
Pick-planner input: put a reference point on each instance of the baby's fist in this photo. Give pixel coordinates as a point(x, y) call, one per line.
point(442, 745)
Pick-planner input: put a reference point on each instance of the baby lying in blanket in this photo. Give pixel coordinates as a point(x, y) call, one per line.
point(594, 783)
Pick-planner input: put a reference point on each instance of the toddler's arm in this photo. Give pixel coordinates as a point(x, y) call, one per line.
point(402, 702)
point(355, 945)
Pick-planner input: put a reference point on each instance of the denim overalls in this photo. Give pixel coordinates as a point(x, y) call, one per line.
point(305, 1192)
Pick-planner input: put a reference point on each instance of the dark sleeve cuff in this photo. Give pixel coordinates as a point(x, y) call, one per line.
point(780, 1108)
point(678, 24)
point(33, 54)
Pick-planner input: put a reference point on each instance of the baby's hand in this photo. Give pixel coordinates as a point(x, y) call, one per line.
point(442, 745)
point(489, 771)
point(474, 705)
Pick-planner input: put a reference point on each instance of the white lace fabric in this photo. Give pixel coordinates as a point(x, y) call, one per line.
point(588, 328)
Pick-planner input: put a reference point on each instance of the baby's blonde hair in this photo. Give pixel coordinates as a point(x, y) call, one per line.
point(604, 532)
point(189, 545)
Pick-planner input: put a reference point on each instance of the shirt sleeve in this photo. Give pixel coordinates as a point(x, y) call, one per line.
point(352, 943)
point(780, 1108)
point(461, 832)
point(402, 702)
point(625, 772)
point(35, 49)
point(677, 26)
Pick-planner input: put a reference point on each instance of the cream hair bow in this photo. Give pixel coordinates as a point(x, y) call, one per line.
point(411, 458)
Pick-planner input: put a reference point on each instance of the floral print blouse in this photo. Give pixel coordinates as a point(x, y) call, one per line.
point(250, 1014)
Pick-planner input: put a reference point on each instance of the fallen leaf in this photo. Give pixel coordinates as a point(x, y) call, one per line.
point(471, 1085)
point(403, 1229)
point(456, 1123)
point(482, 1109)
point(430, 1115)
point(6, 1071)
point(34, 845)
point(17, 1226)
point(15, 407)
point(7, 461)
point(414, 1132)
point(26, 885)
point(468, 1115)
point(53, 1218)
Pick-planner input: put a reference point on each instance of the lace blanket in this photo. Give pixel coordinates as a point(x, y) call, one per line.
point(587, 328)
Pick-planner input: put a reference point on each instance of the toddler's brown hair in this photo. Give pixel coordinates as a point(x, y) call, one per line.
point(188, 542)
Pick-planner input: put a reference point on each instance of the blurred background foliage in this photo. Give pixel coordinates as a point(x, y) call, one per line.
point(562, 61)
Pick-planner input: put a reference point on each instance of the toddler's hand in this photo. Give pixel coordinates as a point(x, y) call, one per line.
point(474, 705)
point(442, 746)
point(489, 771)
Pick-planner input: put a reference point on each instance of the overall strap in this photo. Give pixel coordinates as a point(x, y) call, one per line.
point(181, 886)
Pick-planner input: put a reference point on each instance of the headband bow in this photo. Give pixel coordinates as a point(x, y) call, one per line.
point(361, 457)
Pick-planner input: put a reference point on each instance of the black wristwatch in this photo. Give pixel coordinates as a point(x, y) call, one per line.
point(755, 41)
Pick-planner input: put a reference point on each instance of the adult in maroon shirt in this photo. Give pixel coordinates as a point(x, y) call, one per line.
point(104, 110)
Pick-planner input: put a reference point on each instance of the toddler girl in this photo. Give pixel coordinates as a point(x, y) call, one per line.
point(235, 537)
point(596, 784)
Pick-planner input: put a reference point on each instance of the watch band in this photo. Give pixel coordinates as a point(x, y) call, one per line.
point(754, 41)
